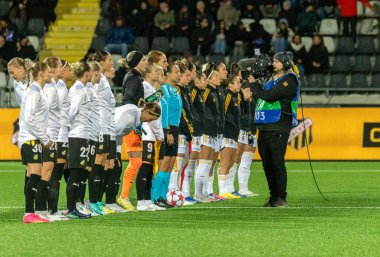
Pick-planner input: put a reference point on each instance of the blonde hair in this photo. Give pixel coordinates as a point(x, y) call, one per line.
point(95, 66)
point(35, 70)
point(53, 61)
point(80, 68)
point(26, 64)
point(154, 56)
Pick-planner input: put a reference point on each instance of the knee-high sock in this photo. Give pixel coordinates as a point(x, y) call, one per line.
point(41, 195)
point(73, 188)
point(244, 171)
point(54, 186)
point(105, 179)
point(201, 176)
point(165, 185)
point(110, 185)
point(82, 186)
point(144, 182)
point(222, 180)
point(130, 175)
point(31, 189)
point(174, 183)
point(157, 185)
point(66, 174)
point(210, 181)
point(95, 189)
point(118, 172)
point(186, 185)
point(26, 181)
point(231, 182)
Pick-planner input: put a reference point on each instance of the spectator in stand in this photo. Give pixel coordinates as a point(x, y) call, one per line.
point(164, 21)
point(201, 38)
point(249, 11)
point(142, 20)
point(118, 37)
point(349, 15)
point(201, 12)
point(8, 30)
point(259, 38)
point(228, 13)
point(238, 38)
point(25, 49)
point(43, 9)
point(219, 37)
point(328, 9)
point(307, 20)
point(318, 57)
point(280, 38)
point(116, 9)
point(7, 51)
point(183, 22)
point(288, 13)
point(18, 10)
point(270, 8)
point(299, 53)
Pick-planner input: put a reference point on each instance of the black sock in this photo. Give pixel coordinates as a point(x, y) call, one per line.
point(92, 186)
point(41, 195)
point(110, 185)
point(105, 179)
point(54, 185)
point(82, 186)
point(72, 188)
point(98, 170)
point(66, 174)
point(144, 178)
point(31, 189)
point(118, 172)
point(26, 181)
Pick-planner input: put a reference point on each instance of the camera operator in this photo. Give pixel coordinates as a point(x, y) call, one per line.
point(275, 115)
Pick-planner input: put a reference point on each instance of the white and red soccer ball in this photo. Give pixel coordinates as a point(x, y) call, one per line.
point(175, 198)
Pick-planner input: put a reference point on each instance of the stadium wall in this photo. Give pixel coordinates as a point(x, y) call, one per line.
point(333, 133)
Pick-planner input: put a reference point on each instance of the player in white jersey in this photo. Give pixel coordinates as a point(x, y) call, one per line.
point(49, 156)
point(18, 70)
point(106, 106)
point(32, 136)
point(62, 140)
point(80, 129)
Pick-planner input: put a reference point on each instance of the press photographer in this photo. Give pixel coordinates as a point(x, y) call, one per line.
point(275, 115)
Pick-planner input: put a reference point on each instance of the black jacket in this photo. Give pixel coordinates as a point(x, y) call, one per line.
point(198, 110)
point(232, 115)
point(185, 124)
point(133, 89)
point(211, 117)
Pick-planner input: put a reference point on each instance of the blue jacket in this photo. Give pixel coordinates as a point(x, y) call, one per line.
point(121, 35)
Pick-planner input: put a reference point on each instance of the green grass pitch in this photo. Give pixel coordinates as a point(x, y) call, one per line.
point(346, 225)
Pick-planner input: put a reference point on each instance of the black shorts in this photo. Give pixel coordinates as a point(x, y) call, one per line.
point(103, 144)
point(91, 153)
point(148, 151)
point(50, 154)
point(62, 150)
point(112, 152)
point(31, 152)
point(172, 150)
point(78, 153)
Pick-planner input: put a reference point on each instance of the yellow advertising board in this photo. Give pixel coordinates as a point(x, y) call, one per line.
point(332, 133)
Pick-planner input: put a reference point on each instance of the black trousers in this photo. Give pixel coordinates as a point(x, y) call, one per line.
point(349, 26)
point(272, 148)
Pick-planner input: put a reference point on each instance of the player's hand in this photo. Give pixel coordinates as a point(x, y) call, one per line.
point(170, 139)
point(49, 144)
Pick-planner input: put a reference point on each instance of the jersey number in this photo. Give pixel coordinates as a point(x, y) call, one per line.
point(37, 148)
point(150, 147)
point(84, 152)
point(92, 150)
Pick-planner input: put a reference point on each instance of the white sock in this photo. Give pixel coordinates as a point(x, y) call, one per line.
point(187, 178)
point(222, 184)
point(244, 171)
point(231, 186)
point(201, 176)
point(210, 185)
point(173, 184)
point(179, 163)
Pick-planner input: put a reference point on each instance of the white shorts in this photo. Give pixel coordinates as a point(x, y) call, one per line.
point(196, 144)
point(208, 141)
point(229, 143)
point(148, 134)
point(218, 143)
point(243, 137)
point(182, 144)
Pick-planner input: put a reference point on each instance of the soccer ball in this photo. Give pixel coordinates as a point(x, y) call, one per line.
point(175, 198)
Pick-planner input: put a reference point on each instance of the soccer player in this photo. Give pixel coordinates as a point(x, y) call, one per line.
point(106, 107)
point(133, 90)
point(174, 102)
point(32, 136)
point(80, 129)
point(198, 112)
point(62, 140)
point(49, 156)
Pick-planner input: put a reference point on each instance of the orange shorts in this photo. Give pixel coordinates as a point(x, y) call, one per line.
point(132, 142)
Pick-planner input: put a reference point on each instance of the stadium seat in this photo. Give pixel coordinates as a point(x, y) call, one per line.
point(317, 81)
point(3, 87)
point(103, 26)
point(98, 43)
point(359, 80)
point(307, 41)
point(141, 44)
point(345, 45)
point(5, 7)
point(375, 81)
point(338, 80)
point(19, 24)
point(161, 44)
point(360, 7)
point(269, 25)
point(247, 22)
point(368, 12)
point(180, 45)
point(365, 45)
point(35, 42)
point(362, 63)
point(36, 27)
point(115, 59)
point(376, 66)
point(342, 63)
point(329, 27)
point(330, 44)
point(368, 27)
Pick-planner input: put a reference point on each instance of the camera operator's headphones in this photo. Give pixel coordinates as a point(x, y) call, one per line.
point(286, 58)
